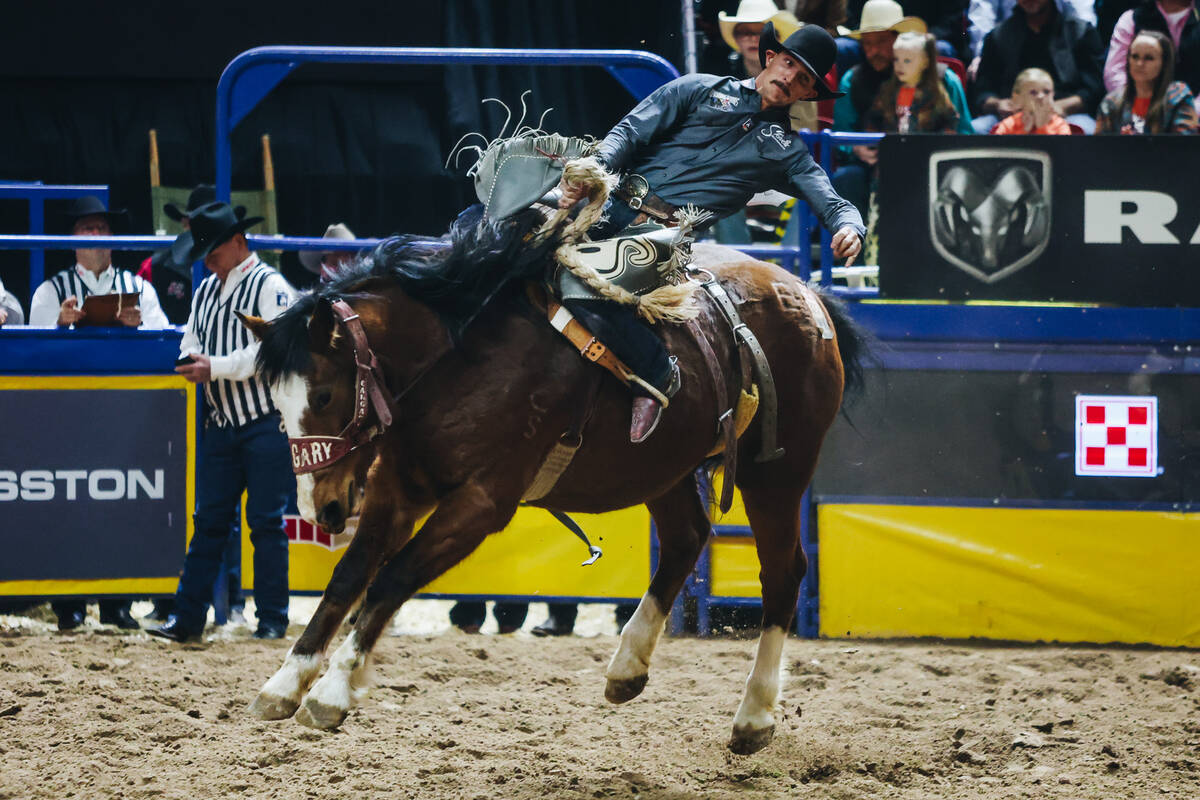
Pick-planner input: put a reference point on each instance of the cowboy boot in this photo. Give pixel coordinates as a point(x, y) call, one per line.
point(647, 411)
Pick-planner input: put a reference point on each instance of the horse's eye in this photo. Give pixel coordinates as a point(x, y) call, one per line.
point(322, 399)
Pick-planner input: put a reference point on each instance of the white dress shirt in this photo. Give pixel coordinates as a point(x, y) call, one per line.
point(44, 308)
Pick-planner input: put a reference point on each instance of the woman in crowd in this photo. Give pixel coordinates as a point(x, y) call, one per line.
point(1150, 101)
point(913, 99)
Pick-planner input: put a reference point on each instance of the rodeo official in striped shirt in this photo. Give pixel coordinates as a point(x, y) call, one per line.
point(244, 447)
point(59, 300)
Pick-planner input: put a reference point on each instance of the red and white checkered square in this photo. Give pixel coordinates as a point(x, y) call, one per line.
point(1116, 435)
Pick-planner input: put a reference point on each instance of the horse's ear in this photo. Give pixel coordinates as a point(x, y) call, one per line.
point(320, 326)
point(257, 325)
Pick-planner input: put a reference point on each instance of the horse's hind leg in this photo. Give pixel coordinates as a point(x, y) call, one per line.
point(381, 530)
point(775, 519)
point(683, 527)
point(461, 522)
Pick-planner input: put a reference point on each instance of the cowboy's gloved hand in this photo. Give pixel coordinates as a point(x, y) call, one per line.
point(847, 245)
point(572, 193)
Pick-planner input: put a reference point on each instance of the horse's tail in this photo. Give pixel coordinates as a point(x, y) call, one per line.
point(854, 345)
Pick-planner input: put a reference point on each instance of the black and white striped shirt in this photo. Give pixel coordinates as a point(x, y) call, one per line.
point(81, 283)
point(235, 394)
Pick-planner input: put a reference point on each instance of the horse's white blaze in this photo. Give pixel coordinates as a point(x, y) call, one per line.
point(757, 710)
point(291, 398)
point(293, 677)
point(344, 683)
point(641, 633)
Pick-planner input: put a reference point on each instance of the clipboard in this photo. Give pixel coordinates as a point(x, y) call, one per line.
point(102, 309)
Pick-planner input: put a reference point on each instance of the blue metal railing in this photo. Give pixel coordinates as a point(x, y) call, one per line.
point(253, 74)
point(36, 193)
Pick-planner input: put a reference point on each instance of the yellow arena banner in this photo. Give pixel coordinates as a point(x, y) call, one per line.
point(1025, 574)
point(535, 556)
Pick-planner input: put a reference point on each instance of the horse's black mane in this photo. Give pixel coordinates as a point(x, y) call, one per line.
point(456, 275)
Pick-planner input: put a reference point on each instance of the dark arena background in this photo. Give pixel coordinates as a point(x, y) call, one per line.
point(1002, 538)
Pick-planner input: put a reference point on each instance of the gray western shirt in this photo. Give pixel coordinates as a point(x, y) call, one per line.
point(706, 140)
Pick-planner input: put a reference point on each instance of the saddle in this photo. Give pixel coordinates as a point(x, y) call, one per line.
point(733, 420)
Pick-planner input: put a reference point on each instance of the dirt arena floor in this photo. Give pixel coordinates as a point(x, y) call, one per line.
point(99, 714)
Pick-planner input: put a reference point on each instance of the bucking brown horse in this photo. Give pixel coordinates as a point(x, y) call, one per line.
point(478, 388)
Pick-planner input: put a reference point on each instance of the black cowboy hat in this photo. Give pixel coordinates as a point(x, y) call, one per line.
point(202, 195)
point(211, 225)
point(92, 206)
point(812, 46)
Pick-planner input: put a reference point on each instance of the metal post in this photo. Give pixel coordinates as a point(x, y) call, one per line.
point(689, 35)
point(37, 256)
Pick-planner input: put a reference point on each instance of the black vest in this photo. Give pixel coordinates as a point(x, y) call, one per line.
point(1187, 60)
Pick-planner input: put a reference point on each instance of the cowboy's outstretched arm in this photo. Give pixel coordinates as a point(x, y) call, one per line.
point(837, 214)
point(664, 108)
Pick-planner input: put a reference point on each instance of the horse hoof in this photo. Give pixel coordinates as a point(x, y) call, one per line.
point(625, 689)
point(747, 740)
point(320, 716)
point(267, 706)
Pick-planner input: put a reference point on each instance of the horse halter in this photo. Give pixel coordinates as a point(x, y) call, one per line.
point(312, 453)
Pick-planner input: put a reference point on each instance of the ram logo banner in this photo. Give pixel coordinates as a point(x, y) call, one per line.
point(1116, 436)
point(989, 209)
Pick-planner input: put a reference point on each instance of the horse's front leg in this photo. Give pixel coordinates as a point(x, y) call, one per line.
point(463, 519)
point(683, 527)
point(382, 530)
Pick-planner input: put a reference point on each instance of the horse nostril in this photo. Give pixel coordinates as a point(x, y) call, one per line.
point(331, 517)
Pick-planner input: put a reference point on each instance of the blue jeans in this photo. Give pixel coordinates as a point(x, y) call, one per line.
point(254, 458)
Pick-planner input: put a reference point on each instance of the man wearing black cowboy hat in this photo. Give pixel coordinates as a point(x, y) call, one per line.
point(715, 142)
point(243, 448)
point(168, 270)
point(59, 300)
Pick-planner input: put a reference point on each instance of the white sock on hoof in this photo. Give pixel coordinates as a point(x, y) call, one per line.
point(293, 678)
point(632, 659)
point(344, 683)
point(757, 710)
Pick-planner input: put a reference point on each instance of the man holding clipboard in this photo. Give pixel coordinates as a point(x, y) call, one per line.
point(94, 292)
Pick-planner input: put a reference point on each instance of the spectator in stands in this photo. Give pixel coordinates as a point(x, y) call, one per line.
point(244, 447)
point(326, 264)
point(1039, 34)
point(829, 14)
point(1178, 19)
point(742, 30)
point(10, 308)
point(1033, 98)
point(167, 270)
point(1150, 101)
point(913, 99)
point(945, 19)
point(985, 15)
point(59, 300)
point(883, 21)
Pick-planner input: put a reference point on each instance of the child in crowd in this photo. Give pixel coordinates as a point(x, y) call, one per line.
point(913, 99)
point(1150, 101)
point(1033, 97)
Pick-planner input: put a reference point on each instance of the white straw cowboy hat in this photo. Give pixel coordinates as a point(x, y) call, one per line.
point(311, 259)
point(886, 15)
point(756, 12)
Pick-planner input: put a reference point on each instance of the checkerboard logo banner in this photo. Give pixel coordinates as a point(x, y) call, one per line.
point(1116, 436)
